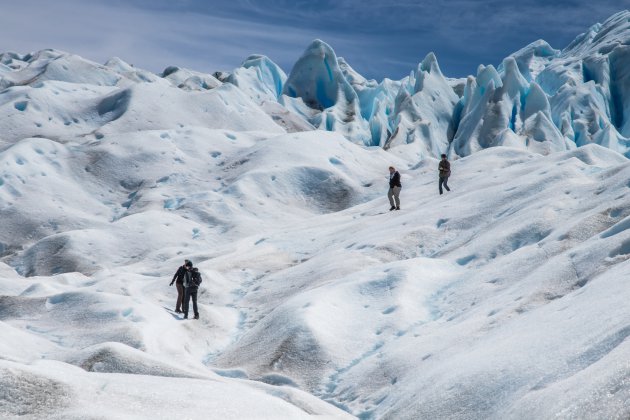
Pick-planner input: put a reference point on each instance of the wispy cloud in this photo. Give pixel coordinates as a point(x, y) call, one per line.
point(377, 38)
point(150, 39)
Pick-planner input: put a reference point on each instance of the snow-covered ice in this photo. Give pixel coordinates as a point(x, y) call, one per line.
point(505, 298)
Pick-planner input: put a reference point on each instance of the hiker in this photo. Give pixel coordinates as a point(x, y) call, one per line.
point(179, 279)
point(192, 280)
point(394, 189)
point(445, 171)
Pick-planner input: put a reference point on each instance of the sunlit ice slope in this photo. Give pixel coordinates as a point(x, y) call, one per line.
point(502, 298)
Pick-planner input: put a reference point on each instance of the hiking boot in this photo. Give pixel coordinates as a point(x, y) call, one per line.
point(392, 208)
point(397, 208)
point(196, 316)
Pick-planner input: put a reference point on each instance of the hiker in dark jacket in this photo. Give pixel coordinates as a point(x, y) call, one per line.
point(178, 279)
point(445, 171)
point(394, 189)
point(192, 280)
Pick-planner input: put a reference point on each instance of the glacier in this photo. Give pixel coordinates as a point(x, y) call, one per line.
point(505, 298)
point(539, 98)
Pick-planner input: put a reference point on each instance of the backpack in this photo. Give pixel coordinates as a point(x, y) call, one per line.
point(196, 277)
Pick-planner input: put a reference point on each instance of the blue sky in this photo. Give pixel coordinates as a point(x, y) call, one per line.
point(385, 38)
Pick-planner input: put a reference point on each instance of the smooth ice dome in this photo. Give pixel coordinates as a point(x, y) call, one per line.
point(505, 298)
point(318, 81)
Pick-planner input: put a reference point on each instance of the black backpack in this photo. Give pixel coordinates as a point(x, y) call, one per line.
point(196, 277)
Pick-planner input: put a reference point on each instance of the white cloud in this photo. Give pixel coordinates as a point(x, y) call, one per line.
point(378, 38)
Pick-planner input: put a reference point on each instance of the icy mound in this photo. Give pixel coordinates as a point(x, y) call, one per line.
point(118, 358)
point(289, 120)
point(590, 85)
point(59, 96)
point(424, 111)
point(533, 59)
point(57, 110)
point(56, 391)
point(308, 331)
point(317, 78)
point(260, 78)
point(140, 108)
point(318, 81)
point(93, 317)
point(24, 392)
point(19, 345)
point(36, 168)
point(190, 80)
point(60, 111)
point(317, 171)
point(503, 109)
point(53, 65)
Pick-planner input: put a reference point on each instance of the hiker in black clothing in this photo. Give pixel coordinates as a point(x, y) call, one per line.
point(192, 280)
point(179, 279)
point(394, 189)
point(445, 171)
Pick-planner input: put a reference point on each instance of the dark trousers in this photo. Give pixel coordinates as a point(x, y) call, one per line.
point(180, 296)
point(443, 181)
point(190, 291)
